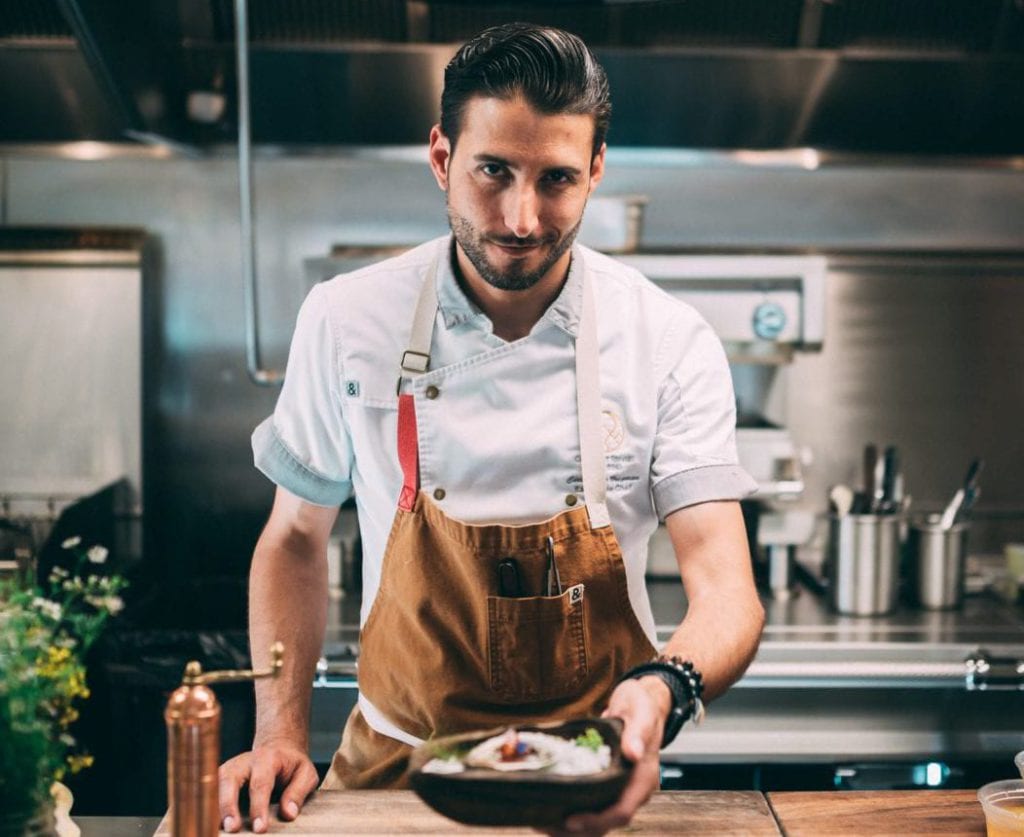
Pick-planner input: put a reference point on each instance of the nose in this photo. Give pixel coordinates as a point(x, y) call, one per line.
point(521, 210)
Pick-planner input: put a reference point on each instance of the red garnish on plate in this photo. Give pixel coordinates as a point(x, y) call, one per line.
point(512, 749)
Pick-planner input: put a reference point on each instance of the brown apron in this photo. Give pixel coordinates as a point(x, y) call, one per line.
point(441, 652)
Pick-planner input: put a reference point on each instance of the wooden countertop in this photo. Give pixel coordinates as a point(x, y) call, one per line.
point(921, 812)
point(793, 814)
point(402, 812)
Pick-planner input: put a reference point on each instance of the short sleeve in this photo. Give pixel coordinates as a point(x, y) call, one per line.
point(694, 457)
point(304, 446)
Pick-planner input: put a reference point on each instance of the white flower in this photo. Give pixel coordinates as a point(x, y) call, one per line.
point(51, 609)
point(58, 573)
point(113, 604)
point(71, 543)
point(67, 740)
point(97, 554)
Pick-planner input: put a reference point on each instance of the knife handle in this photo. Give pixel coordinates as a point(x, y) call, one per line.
point(889, 471)
point(870, 464)
point(509, 584)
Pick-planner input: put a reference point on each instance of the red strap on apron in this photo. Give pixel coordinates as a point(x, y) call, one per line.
point(408, 452)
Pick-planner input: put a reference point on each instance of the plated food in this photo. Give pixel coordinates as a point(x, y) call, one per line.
point(515, 750)
point(534, 775)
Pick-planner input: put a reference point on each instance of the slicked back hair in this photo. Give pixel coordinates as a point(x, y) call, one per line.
point(551, 69)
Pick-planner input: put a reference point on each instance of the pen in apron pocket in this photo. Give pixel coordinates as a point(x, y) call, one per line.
point(554, 580)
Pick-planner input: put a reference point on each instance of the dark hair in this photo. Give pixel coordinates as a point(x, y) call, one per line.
point(553, 70)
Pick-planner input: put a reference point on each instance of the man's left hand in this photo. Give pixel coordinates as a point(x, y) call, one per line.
point(643, 705)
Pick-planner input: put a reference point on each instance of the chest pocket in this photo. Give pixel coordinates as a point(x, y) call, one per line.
point(368, 384)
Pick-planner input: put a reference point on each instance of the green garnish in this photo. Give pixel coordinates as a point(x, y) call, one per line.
point(591, 739)
point(440, 751)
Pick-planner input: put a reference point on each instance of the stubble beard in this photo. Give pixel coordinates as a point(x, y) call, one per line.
point(516, 278)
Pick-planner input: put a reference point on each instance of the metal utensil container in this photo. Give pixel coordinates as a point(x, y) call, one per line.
point(935, 563)
point(862, 562)
point(613, 223)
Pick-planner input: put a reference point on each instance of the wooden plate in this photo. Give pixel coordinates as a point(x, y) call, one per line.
point(478, 796)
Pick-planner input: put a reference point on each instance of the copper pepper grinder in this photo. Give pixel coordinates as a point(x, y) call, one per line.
point(193, 746)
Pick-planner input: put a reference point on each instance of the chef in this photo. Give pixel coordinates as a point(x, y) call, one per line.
point(513, 412)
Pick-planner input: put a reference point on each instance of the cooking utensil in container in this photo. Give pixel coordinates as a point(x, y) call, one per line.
point(613, 223)
point(841, 497)
point(949, 515)
point(890, 472)
point(870, 482)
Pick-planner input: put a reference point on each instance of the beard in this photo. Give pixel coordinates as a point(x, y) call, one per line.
point(517, 277)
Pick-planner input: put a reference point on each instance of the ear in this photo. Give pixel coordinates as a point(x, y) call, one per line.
point(440, 156)
point(597, 167)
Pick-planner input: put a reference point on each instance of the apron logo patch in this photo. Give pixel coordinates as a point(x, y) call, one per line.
point(352, 389)
point(614, 431)
point(576, 594)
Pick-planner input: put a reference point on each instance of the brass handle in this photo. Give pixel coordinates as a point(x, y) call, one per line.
point(194, 675)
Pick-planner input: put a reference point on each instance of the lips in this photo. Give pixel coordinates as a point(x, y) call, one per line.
point(516, 249)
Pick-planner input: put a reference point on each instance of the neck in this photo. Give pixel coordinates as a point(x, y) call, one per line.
point(513, 314)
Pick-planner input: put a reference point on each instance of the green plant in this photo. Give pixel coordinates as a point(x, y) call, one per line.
point(45, 632)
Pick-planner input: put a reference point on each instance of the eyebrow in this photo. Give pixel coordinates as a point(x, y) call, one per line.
point(501, 161)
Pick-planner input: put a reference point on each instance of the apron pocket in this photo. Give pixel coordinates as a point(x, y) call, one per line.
point(537, 648)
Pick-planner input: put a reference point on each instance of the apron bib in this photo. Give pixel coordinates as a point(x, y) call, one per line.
point(441, 651)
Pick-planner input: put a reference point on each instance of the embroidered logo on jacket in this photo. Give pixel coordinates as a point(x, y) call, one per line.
point(614, 432)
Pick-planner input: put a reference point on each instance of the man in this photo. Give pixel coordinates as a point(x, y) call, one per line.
point(551, 404)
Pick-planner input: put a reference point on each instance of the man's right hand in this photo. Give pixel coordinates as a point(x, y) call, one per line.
point(273, 763)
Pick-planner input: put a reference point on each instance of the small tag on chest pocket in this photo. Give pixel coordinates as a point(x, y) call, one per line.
point(352, 389)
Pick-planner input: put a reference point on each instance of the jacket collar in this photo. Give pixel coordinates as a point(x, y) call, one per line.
point(456, 308)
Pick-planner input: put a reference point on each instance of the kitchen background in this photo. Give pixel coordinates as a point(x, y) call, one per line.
point(918, 208)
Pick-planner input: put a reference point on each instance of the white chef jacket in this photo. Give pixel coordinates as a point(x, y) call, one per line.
point(497, 424)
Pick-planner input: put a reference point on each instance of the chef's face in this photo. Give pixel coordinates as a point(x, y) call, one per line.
point(517, 182)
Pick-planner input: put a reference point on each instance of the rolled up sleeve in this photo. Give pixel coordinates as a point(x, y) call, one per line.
point(304, 447)
point(694, 456)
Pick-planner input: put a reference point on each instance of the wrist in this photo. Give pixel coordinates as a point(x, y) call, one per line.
point(685, 686)
point(660, 693)
point(292, 737)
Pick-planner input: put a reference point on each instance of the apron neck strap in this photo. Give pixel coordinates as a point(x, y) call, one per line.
point(416, 362)
point(588, 408)
point(416, 358)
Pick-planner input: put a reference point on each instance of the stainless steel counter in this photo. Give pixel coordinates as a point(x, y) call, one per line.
point(116, 826)
point(823, 687)
point(805, 643)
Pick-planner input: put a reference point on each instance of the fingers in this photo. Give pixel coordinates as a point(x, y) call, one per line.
point(261, 785)
point(301, 784)
point(641, 736)
point(261, 769)
point(644, 781)
point(231, 776)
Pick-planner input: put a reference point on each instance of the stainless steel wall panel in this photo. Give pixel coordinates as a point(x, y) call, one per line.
point(921, 359)
point(832, 207)
point(927, 357)
point(72, 372)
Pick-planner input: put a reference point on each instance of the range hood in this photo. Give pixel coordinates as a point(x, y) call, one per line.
point(936, 77)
